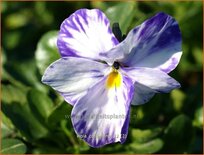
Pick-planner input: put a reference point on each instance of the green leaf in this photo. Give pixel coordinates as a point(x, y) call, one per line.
point(178, 98)
point(4, 74)
point(122, 13)
point(144, 113)
point(47, 51)
point(5, 131)
point(198, 119)
point(152, 146)
point(142, 136)
point(24, 120)
point(4, 6)
point(12, 93)
point(61, 112)
point(42, 14)
point(7, 125)
point(101, 5)
point(17, 19)
point(14, 38)
point(12, 146)
point(179, 132)
point(25, 72)
point(40, 104)
point(197, 53)
point(3, 57)
point(47, 150)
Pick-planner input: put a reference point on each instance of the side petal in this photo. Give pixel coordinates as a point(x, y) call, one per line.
point(86, 33)
point(155, 79)
point(72, 76)
point(102, 115)
point(156, 43)
point(142, 94)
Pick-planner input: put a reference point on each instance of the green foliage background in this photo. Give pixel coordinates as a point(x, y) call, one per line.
point(34, 117)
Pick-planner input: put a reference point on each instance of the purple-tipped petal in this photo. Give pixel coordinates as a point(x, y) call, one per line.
point(72, 77)
point(156, 43)
point(149, 81)
point(86, 33)
point(91, 115)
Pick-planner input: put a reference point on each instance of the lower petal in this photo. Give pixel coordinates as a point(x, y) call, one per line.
point(102, 115)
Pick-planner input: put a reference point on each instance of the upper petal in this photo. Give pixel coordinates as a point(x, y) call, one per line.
point(156, 43)
point(86, 33)
point(72, 77)
point(102, 115)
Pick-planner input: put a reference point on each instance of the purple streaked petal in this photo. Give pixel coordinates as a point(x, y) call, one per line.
point(156, 43)
point(86, 33)
point(124, 131)
point(72, 77)
point(154, 79)
point(101, 103)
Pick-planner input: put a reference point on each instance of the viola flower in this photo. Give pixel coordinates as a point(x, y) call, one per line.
point(101, 77)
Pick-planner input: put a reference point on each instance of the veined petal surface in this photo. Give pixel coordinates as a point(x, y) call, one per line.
point(86, 33)
point(72, 77)
point(149, 81)
point(91, 115)
point(156, 43)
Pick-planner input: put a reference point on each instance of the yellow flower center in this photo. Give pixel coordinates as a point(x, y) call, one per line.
point(114, 79)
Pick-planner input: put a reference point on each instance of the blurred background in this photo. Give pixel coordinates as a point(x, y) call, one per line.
point(34, 117)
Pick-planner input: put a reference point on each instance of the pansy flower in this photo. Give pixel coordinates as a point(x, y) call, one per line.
point(101, 77)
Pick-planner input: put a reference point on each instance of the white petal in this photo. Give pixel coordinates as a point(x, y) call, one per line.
point(72, 77)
